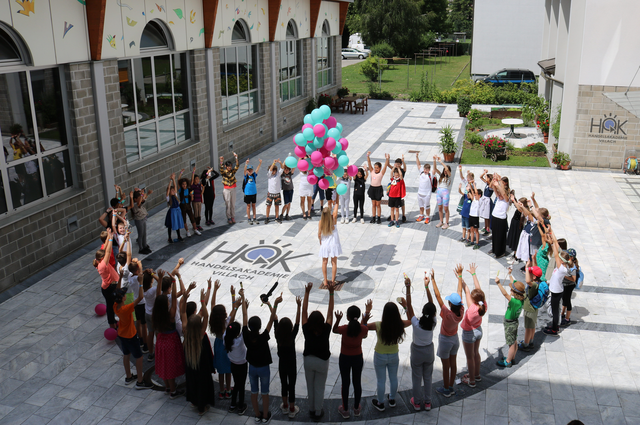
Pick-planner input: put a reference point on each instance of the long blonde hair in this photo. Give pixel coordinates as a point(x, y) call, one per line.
point(193, 341)
point(326, 222)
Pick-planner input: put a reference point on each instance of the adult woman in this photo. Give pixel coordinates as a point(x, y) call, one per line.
point(390, 332)
point(109, 276)
point(443, 191)
point(316, 352)
point(472, 328)
point(329, 241)
point(499, 224)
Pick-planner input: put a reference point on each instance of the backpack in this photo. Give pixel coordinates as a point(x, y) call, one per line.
point(434, 183)
point(542, 295)
point(244, 182)
point(579, 279)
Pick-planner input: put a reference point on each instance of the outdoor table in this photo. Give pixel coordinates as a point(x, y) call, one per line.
point(349, 101)
point(512, 122)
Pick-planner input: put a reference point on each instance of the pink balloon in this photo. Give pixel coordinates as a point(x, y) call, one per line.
point(304, 127)
point(300, 151)
point(352, 170)
point(324, 152)
point(327, 171)
point(331, 122)
point(316, 158)
point(330, 143)
point(323, 184)
point(303, 165)
point(319, 130)
point(111, 334)
point(101, 309)
point(312, 179)
point(335, 164)
point(329, 163)
point(345, 143)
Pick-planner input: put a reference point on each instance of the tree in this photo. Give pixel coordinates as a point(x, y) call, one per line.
point(461, 16)
point(436, 13)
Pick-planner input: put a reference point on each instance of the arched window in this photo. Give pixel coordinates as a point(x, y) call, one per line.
point(239, 70)
point(291, 64)
point(33, 126)
point(325, 57)
point(154, 93)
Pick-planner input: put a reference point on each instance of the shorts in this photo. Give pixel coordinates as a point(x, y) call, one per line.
point(465, 222)
point(448, 346)
point(149, 320)
point(530, 319)
point(424, 201)
point(474, 222)
point(395, 202)
point(510, 331)
point(328, 194)
point(139, 310)
point(131, 346)
point(250, 199)
point(469, 337)
point(262, 374)
point(375, 193)
point(288, 196)
point(273, 198)
point(442, 196)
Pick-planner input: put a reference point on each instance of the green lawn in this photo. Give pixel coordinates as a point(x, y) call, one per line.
point(394, 80)
point(474, 156)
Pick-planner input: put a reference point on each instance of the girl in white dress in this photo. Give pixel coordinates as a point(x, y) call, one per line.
point(329, 241)
point(306, 192)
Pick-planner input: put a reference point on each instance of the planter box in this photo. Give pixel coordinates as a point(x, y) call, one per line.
point(505, 114)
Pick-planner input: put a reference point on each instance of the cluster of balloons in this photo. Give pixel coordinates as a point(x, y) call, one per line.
point(321, 150)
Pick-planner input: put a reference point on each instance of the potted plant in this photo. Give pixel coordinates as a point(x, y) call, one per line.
point(343, 92)
point(464, 105)
point(543, 125)
point(562, 160)
point(555, 147)
point(324, 99)
point(448, 146)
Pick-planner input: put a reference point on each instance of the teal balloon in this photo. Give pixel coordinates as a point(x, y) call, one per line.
point(341, 153)
point(309, 149)
point(343, 160)
point(318, 143)
point(337, 149)
point(330, 180)
point(316, 115)
point(308, 119)
point(318, 171)
point(339, 171)
point(341, 189)
point(339, 127)
point(291, 162)
point(300, 140)
point(308, 134)
point(334, 133)
point(326, 111)
point(326, 130)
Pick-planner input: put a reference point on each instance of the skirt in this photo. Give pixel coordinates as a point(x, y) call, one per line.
point(174, 220)
point(305, 188)
point(522, 252)
point(330, 246)
point(220, 357)
point(169, 355)
point(499, 228)
point(513, 237)
point(484, 208)
point(200, 390)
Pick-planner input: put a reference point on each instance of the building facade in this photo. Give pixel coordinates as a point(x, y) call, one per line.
point(106, 92)
point(590, 60)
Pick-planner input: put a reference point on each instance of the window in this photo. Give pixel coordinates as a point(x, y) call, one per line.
point(239, 76)
point(154, 93)
point(291, 64)
point(325, 61)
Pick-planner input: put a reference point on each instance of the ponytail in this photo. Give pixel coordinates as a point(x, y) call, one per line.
point(99, 256)
point(96, 263)
point(353, 329)
point(233, 330)
point(428, 320)
point(477, 295)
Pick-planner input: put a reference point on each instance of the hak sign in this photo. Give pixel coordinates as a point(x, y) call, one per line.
point(607, 129)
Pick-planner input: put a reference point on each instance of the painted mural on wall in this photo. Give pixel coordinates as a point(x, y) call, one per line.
point(255, 14)
point(329, 11)
point(299, 12)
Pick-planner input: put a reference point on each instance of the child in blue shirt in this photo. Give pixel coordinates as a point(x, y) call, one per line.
point(250, 190)
point(466, 208)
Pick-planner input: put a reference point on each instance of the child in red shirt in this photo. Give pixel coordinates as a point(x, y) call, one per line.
point(397, 191)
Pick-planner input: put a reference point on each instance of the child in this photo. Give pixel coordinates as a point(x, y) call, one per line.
point(514, 308)
point(474, 219)
point(306, 193)
point(516, 225)
point(228, 174)
point(173, 221)
point(443, 191)
point(344, 199)
point(103, 239)
point(499, 223)
point(122, 233)
point(258, 357)
point(330, 247)
point(135, 269)
point(287, 190)
point(351, 360)
point(397, 192)
point(448, 342)
point(330, 193)
point(209, 193)
point(316, 191)
point(562, 272)
point(140, 214)
point(523, 251)
point(569, 286)
point(150, 292)
point(186, 198)
point(486, 203)
point(465, 213)
point(472, 328)
point(285, 333)
point(359, 182)
point(274, 183)
point(375, 190)
point(250, 190)
point(533, 275)
point(237, 352)
point(424, 191)
point(196, 190)
point(218, 323)
point(402, 166)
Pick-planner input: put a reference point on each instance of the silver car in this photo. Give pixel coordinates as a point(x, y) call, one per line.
point(349, 53)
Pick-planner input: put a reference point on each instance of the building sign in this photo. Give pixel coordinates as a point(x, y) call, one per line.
point(608, 129)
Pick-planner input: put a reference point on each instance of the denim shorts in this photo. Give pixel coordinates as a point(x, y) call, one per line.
point(262, 374)
point(130, 346)
point(448, 346)
point(465, 222)
point(288, 196)
point(469, 337)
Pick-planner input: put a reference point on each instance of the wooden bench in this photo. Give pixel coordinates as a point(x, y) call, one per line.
point(336, 104)
point(361, 105)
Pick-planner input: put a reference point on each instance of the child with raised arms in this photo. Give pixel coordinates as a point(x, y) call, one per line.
point(375, 191)
point(359, 183)
point(250, 190)
point(425, 187)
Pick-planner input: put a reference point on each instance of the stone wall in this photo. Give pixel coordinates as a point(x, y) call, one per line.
point(604, 149)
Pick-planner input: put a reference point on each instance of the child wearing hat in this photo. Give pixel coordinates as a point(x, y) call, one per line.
point(533, 278)
point(250, 190)
point(448, 341)
point(569, 284)
point(511, 316)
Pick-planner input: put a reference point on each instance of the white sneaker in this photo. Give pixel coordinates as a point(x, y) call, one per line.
point(361, 221)
point(188, 234)
point(342, 221)
point(354, 220)
point(197, 232)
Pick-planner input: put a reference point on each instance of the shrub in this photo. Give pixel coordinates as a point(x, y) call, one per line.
point(464, 105)
point(428, 91)
point(561, 158)
point(383, 50)
point(311, 105)
point(555, 127)
point(372, 67)
point(493, 143)
point(376, 93)
point(474, 115)
point(473, 138)
point(447, 144)
point(535, 147)
point(511, 147)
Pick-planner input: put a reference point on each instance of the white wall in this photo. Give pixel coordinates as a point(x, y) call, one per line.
point(611, 51)
point(507, 34)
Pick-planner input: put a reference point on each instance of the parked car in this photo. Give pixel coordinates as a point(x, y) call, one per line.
point(515, 76)
point(348, 53)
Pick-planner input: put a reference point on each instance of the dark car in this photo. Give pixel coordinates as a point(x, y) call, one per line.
point(515, 76)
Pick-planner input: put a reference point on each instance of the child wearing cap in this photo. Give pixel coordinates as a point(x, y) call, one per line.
point(569, 285)
point(511, 316)
point(448, 342)
point(533, 278)
point(250, 190)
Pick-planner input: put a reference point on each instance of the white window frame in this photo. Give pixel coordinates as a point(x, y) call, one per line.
point(292, 49)
point(325, 44)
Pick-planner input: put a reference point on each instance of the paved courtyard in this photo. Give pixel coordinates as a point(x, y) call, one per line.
point(56, 367)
